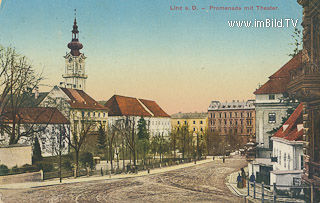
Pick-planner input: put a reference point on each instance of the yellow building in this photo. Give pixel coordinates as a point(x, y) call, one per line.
point(197, 122)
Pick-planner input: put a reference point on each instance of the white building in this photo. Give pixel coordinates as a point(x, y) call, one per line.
point(158, 121)
point(44, 123)
point(272, 105)
point(77, 106)
point(288, 151)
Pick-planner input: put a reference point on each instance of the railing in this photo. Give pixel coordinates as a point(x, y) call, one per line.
point(278, 193)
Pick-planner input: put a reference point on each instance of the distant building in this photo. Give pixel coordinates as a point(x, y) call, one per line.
point(197, 122)
point(121, 107)
point(77, 106)
point(232, 117)
point(272, 103)
point(42, 122)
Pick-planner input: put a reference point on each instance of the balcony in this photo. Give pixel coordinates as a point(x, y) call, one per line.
point(75, 75)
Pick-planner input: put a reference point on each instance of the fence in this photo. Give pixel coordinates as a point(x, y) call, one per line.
point(279, 193)
point(65, 174)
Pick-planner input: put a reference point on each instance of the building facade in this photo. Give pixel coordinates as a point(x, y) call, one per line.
point(272, 104)
point(232, 118)
point(196, 122)
point(122, 107)
point(77, 106)
point(45, 123)
point(305, 86)
point(287, 151)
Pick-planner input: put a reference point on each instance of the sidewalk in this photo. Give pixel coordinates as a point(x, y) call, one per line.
point(106, 177)
point(231, 182)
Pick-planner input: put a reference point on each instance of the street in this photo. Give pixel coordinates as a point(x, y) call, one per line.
point(199, 183)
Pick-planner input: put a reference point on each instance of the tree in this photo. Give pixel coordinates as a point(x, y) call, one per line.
point(79, 133)
point(102, 141)
point(36, 151)
point(297, 42)
point(17, 81)
point(143, 137)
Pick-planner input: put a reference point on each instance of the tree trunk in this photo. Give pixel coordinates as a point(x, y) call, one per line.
point(77, 163)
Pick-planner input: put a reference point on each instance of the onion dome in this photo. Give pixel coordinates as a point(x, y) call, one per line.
point(75, 45)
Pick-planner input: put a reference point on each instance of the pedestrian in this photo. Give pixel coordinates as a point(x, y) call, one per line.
point(239, 181)
point(244, 177)
point(223, 159)
point(252, 178)
point(128, 167)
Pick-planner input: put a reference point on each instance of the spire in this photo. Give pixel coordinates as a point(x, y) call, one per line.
point(75, 45)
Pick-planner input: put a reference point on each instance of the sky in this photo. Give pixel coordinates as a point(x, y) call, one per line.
point(182, 59)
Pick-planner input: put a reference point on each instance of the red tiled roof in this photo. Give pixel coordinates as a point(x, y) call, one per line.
point(291, 132)
point(37, 115)
point(279, 81)
point(154, 108)
point(80, 100)
point(129, 106)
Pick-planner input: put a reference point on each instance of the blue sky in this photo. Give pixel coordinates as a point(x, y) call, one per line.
point(141, 48)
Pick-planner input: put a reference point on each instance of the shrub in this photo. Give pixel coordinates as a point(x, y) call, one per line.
point(86, 159)
point(47, 167)
point(67, 165)
point(4, 170)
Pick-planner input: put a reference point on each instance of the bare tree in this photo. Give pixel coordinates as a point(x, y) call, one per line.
point(17, 81)
point(79, 133)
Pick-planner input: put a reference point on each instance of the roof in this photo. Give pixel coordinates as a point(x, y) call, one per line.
point(194, 115)
point(217, 105)
point(81, 100)
point(129, 106)
point(279, 81)
point(291, 130)
point(37, 115)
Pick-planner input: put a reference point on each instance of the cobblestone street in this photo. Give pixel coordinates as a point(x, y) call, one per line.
point(199, 183)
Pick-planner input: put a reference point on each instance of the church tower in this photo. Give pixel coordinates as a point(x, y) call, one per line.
point(75, 76)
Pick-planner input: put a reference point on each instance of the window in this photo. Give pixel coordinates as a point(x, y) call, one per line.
point(302, 163)
point(236, 122)
point(82, 114)
point(236, 114)
point(185, 122)
point(201, 129)
point(88, 114)
point(194, 122)
point(230, 114)
point(285, 160)
point(211, 115)
point(279, 157)
point(225, 122)
point(94, 114)
point(288, 161)
point(104, 114)
point(241, 115)
point(178, 122)
point(194, 129)
point(220, 115)
point(272, 97)
point(272, 118)
point(230, 122)
point(201, 122)
point(214, 115)
point(225, 115)
point(99, 114)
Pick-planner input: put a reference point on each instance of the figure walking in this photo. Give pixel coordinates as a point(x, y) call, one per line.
point(239, 181)
point(244, 177)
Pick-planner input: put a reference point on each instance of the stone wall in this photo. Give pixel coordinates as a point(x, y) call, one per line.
point(15, 155)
